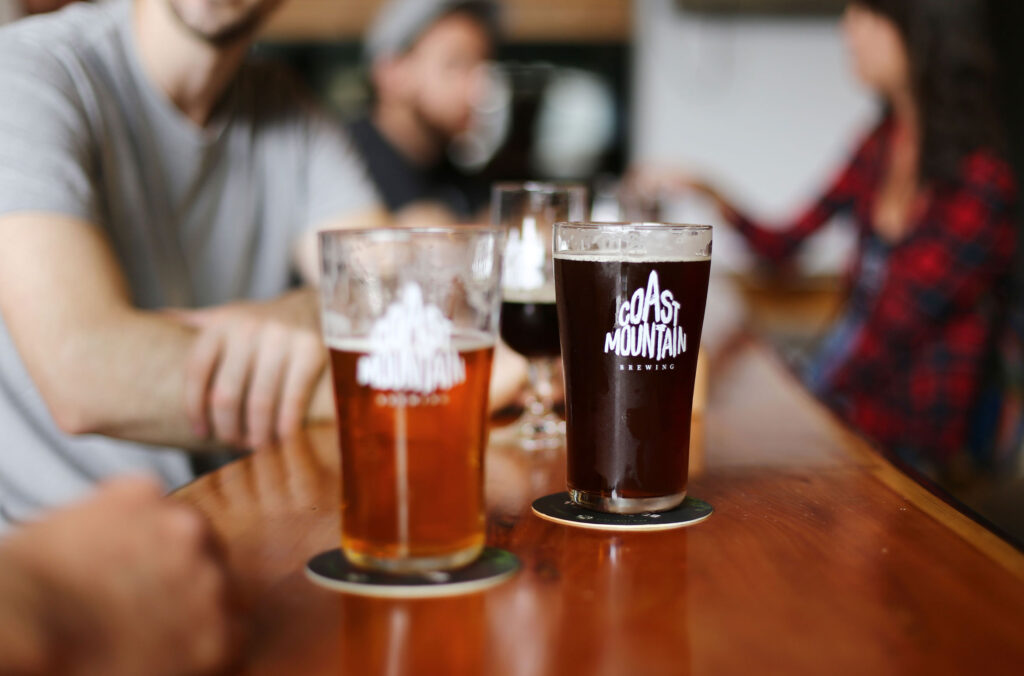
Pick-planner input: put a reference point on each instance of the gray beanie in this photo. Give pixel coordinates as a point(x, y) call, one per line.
point(399, 23)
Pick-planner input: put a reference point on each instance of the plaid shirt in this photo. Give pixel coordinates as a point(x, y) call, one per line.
point(915, 367)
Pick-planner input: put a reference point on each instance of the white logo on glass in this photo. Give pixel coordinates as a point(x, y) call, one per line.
point(647, 325)
point(412, 348)
point(524, 257)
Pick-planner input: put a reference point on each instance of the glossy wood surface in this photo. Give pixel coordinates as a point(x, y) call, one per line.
point(820, 559)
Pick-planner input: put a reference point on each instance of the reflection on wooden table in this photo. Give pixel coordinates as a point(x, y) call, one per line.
point(820, 558)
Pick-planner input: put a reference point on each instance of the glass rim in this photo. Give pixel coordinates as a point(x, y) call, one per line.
point(543, 187)
point(634, 225)
point(396, 232)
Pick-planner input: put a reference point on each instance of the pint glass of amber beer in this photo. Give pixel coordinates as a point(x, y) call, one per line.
point(631, 302)
point(410, 318)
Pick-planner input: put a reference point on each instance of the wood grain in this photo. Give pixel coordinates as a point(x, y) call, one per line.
point(817, 560)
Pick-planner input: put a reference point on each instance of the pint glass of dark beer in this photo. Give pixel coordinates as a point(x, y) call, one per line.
point(410, 317)
point(631, 303)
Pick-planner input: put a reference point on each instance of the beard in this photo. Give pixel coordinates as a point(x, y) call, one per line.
point(238, 29)
point(441, 132)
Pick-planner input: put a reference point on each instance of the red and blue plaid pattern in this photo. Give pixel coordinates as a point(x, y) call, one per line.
point(914, 371)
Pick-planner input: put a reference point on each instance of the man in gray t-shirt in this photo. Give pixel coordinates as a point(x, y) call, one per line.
point(157, 195)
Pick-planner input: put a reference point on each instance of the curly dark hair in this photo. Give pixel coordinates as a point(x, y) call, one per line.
point(953, 74)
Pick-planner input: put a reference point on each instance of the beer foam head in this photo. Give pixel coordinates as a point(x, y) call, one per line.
point(461, 341)
point(633, 242)
point(625, 257)
point(541, 294)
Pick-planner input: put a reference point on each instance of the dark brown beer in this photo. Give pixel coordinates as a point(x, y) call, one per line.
point(630, 331)
point(530, 325)
point(412, 465)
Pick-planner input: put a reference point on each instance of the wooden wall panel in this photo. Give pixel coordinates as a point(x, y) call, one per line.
point(525, 20)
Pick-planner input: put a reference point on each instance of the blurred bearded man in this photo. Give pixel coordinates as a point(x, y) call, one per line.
point(159, 195)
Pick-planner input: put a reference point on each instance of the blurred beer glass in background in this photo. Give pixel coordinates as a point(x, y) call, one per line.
point(529, 320)
point(631, 300)
point(410, 318)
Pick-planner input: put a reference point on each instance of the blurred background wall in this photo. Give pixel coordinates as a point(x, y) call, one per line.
point(766, 103)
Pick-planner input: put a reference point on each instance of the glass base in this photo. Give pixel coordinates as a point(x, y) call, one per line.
point(618, 505)
point(415, 564)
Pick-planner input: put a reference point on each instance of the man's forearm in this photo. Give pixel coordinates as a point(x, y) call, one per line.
point(100, 365)
point(142, 360)
point(124, 378)
point(175, 377)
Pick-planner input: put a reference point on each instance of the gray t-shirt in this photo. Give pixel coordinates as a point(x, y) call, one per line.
point(195, 216)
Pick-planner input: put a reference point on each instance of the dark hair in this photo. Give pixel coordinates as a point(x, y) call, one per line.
point(953, 73)
point(487, 14)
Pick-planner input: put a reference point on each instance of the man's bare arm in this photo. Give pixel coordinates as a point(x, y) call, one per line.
point(74, 585)
point(105, 367)
point(101, 365)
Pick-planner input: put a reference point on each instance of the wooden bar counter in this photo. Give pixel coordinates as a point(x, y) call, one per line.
point(820, 558)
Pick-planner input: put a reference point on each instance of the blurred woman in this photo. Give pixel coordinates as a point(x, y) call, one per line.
point(932, 199)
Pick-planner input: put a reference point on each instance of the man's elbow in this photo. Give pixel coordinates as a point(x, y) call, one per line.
point(74, 418)
point(69, 392)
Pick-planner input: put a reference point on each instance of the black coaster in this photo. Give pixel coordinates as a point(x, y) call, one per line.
point(560, 509)
point(332, 570)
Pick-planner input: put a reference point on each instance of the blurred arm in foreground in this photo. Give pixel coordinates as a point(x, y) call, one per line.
point(120, 584)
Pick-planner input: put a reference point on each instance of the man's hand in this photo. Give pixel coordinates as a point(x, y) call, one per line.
point(253, 369)
point(123, 583)
point(508, 377)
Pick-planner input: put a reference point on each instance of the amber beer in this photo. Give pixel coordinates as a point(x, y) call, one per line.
point(412, 464)
point(630, 328)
